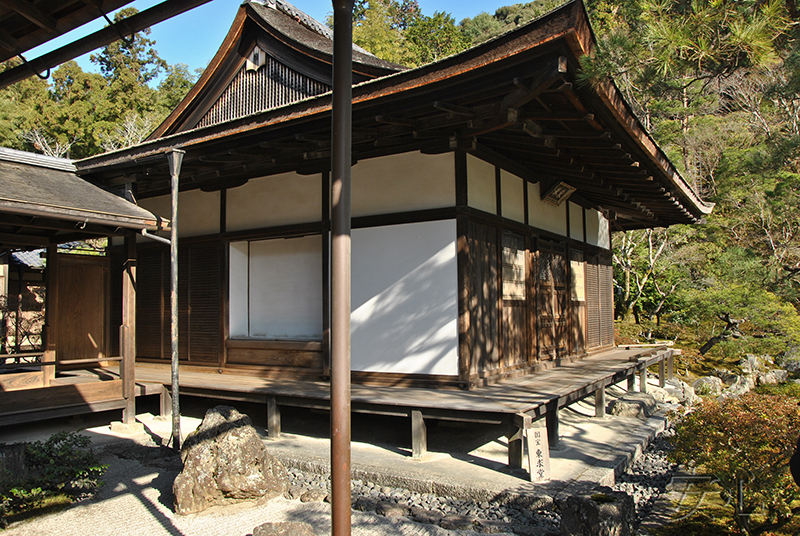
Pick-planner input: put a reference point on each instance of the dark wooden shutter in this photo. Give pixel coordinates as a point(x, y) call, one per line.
point(198, 303)
point(578, 307)
point(200, 297)
point(592, 303)
point(606, 302)
point(152, 303)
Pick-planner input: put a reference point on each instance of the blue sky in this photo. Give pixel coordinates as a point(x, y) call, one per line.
point(194, 36)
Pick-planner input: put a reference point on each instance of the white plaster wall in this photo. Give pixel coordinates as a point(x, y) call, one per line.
point(283, 199)
point(597, 229)
point(198, 211)
point(402, 183)
point(543, 215)
point(239, 275)
point(481, 185)
point(575, 221)
point(404, 299)
point(279, 288)
point(512, 195)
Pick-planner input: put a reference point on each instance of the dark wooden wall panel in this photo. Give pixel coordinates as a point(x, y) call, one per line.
point(484, 297)
point(83, 282)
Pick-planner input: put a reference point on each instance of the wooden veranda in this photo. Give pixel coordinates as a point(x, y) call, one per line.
point(515, 403)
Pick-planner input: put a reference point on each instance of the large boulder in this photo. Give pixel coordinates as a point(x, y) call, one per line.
point(682, 391)
point(661, 394)
point(772, 377)
point(707, 386)
point(742, 385)
point(225, 461)
point(640, 405)
point(603, 512)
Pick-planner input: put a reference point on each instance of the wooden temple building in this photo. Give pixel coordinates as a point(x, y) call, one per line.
point(485, 188)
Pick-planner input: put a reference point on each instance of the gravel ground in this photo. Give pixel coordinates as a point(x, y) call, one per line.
point(648, 476)
point(136, 499)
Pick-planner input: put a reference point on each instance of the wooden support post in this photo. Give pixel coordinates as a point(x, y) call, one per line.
point(662, 373)
point(631, 382)
point(643, 379)
point(51, 316)
point(515, 446)
point(670, 365)
point(551, 419)
point(273, 418)
point(127, 368)
point(600, 402)
point(165, 402)
point(419, 435)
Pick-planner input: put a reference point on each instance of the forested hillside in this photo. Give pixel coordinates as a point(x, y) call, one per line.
point(715, 82)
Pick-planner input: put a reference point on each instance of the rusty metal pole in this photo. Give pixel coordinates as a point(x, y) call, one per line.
point(175, 159)
point(340, 264)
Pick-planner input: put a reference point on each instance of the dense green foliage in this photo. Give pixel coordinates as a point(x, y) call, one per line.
point(745, 443)
point(716, 84)
point(63, 465)
point(397, 31)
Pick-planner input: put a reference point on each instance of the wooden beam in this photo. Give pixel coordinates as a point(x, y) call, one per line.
point(8, 42)
point(24, 240)
point(32, 13)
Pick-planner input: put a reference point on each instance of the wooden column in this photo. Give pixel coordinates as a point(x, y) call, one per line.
point(128, 340)
point(419, 435)
point(662, 376)
point(631, 382)
point(273, 418)
point(515, 446)
point(551, 418)
point(600, 402)
point(51, 316)
point(643, 379)
point(670, 365)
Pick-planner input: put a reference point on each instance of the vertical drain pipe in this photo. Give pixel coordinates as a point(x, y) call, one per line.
point(175, 159)
point(340, 265)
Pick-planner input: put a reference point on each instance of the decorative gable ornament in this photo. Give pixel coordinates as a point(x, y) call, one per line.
point(558, 193)
point(256, 59)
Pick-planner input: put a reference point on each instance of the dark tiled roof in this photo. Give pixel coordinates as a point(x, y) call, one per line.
point(42, 202)
point(285, 17)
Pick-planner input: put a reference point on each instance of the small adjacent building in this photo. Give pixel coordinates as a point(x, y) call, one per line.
point(485, 188)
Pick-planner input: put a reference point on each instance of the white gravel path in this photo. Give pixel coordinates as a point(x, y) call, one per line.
point(136, 500)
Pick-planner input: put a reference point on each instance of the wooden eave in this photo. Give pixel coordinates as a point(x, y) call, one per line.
point(26, 25)
point(269, 30)
point(512, 100)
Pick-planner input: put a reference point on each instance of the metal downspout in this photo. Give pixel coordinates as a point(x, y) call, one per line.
point(175, 159)
point(340, 265)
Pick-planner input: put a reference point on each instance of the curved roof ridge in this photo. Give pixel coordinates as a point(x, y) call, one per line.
point(304, 18)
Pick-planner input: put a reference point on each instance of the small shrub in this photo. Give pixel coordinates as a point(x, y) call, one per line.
point(64, 463)
point(61, 465)
point(745, 442)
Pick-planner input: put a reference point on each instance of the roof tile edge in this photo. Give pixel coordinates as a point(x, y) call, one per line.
point(35, 159)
